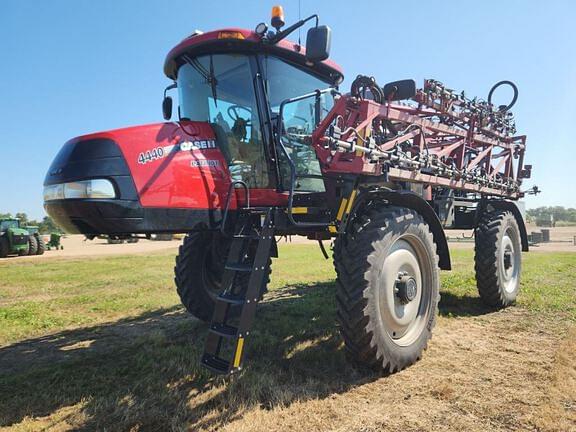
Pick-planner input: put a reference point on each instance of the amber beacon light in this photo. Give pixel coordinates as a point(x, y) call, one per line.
point(277, 20)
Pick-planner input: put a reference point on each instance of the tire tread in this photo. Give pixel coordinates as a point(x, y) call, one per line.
point(351, 253)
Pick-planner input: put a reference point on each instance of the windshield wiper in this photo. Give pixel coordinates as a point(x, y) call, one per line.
point(210, 77)
point(213, 82)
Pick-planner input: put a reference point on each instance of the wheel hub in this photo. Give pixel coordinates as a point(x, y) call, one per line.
point(404, 299)
point(507, 259)
point(406, 288)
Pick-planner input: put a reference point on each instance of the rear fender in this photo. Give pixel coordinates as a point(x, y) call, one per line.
point(491, 205)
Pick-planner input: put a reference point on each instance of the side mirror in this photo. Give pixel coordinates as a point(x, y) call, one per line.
point(167, 108)
point(318, 43)
point(398, 90)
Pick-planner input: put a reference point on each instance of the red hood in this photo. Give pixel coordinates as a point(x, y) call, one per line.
point(172, 164)
point(169, 176)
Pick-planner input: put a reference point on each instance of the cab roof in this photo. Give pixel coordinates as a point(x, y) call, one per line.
point(242, 40)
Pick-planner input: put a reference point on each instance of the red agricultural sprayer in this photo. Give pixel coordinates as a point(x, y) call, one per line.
point(266, 144)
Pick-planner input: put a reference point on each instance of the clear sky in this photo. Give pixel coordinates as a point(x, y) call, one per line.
point(72, 67)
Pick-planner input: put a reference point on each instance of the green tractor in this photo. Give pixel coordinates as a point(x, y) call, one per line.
point(13, 239)
point(36, 245)
point(55, 241)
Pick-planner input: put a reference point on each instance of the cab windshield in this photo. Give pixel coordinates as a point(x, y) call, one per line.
point(7, 224)
point(220, 89)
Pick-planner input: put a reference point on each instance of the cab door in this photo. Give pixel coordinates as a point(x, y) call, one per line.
point(295, 121)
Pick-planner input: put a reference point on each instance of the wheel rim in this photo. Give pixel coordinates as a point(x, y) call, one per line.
point(509, 261)
point(405, 290)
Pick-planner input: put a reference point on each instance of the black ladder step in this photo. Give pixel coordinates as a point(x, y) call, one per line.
point(239, 267)
point(215, 364)
point(224, 330)
point(234, 312)
point(231, 299)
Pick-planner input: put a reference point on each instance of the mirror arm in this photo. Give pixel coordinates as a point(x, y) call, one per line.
point(316, 94)
point(282, 34)
point(170, 87)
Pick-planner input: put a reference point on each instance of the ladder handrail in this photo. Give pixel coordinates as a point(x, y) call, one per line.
point(231, 188)
point(293, 175)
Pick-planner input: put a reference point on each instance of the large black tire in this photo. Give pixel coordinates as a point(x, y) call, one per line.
point(41, 246)
point(498, 258)
point(385, 325)
point(32, 245)
point(4, 246)
point(199, 269)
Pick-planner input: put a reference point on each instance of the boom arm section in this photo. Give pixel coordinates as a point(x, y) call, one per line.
point(438, 138)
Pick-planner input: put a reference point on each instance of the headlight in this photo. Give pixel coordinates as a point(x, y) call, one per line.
point(54, 192)
point(98, 188)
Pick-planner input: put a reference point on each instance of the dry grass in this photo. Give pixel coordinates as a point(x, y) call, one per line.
point(138, 370)
point(479, 374)
point(558, 413)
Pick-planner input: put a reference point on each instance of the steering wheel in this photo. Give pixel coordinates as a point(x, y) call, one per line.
point(234, 115)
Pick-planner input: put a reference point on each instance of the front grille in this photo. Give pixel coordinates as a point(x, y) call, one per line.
point(20, 239)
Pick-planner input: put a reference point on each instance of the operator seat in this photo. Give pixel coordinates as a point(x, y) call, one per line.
point(222, 141)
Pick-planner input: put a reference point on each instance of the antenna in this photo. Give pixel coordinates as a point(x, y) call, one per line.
point(299, 18)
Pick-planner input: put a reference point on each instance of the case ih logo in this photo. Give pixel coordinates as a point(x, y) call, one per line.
point(195, 145)
point(161, 152)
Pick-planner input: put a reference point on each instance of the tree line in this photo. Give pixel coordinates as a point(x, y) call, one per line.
point(555, 215)
point(45, 226)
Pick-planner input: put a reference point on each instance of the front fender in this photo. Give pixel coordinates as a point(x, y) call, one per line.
point(420, 205)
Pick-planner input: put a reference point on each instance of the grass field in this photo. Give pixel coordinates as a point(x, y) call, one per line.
point(104, 344)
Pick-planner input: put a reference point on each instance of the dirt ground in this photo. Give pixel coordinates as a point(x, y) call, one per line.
point(502, 373)
point(79, 246)
point(561, 240)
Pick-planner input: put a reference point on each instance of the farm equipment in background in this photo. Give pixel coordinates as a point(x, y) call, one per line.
point(161, 237)
point(266, 144)
point(55, 241)
point(13, 239)
point(134, 238)
point(36, 245)
point(112, 239)
point(18, 240)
